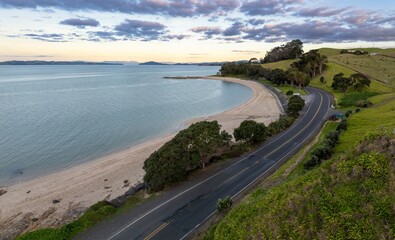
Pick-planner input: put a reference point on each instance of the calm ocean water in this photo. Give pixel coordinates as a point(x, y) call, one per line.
point(53, 117)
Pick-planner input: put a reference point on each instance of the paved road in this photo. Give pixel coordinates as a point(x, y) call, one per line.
point(176, 214)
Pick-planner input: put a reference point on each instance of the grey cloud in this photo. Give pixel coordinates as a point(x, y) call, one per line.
point(140, 30)
point(266, 7)
point(47, 37)
point(255, 22)
point(185, 8)
point(318, 32)
point(209, 32)
point(234, 30)
point(319, 12)
point(246, 51)
point(176, 36)
point(80, 23)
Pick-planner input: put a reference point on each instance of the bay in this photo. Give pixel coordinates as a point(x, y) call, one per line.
point(54, 117)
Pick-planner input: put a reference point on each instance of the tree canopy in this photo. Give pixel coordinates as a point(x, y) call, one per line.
point(290, 50)
point(250, 132)
point(189, 149)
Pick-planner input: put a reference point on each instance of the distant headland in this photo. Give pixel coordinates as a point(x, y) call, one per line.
point(56, 63)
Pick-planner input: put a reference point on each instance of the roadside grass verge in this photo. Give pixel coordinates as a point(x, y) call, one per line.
point(95, 214)
point(284, 88)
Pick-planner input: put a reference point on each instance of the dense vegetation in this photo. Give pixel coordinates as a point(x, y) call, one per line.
point(290, 50)
point(299, 72)
point(357, 80)
point(188, 150)
point(350, 197)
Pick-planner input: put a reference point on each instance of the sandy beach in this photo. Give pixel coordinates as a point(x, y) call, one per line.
point(81, 186)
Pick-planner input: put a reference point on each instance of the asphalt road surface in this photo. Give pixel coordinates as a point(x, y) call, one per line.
point(178, 213)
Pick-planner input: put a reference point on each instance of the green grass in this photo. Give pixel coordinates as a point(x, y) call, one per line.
point(345, 198)
point(95, 214)
point(294, 171)
point(366, 121)
point(351, 99)
point(284, 65)
point(285, 88)
point(350, 196)
point(381, 68)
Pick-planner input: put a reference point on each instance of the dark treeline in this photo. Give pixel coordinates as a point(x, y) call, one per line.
point(300, 73)
point(291, 50)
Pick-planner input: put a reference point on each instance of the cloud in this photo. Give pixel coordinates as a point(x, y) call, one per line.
point(209, 32)
point(80, 23)
point(318, 32)
point(140, 30)
point(234, 30)
point(255, 22)
point(176, 36)
point(175, 8)
point(47, 37)
point(266, 7)
point(246, 51)
point(319, 12)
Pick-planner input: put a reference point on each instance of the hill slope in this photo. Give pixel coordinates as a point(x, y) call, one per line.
point(350, 197)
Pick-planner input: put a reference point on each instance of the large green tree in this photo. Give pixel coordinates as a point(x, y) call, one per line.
point(250, 132)
point(341, 83)
point(189, 149)
point(359, 81)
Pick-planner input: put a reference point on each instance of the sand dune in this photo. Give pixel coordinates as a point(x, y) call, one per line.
point(81, 186)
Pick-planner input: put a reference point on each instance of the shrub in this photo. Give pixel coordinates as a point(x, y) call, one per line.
point(348, 113)
point(322, 79)
point(224, 204)
point(289, 93)
point(189, 149)
point(250, 132)
point(343, 125)
point(357, 110)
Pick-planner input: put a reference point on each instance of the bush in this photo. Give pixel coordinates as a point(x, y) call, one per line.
point(343, 125)
point(289, 93)
point(322, 79)
point(250, 132)
point(355, 99)
point(224, 204)
point(357, 110)
point(281, 124)
point(188, 150)
point(348, 113)
point(363, 103)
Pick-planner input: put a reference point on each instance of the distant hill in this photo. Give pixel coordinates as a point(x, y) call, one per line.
point(152, 63)
point(56, 63)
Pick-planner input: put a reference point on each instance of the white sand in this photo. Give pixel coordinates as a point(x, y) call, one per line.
point(81, 186)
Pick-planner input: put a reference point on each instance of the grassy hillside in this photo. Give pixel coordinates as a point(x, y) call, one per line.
point(351, 195)
point(284, 65)
point(346, 198)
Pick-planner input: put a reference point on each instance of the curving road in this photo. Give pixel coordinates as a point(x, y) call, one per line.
point(178, 213)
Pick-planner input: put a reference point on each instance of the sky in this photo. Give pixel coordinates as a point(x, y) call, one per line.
point(186, 30)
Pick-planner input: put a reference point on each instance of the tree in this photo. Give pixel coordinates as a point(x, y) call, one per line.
point(322, 79)
point(250, 131)
point(341, 83)
point(291, 50)
point(189, 149)
point(360, 81)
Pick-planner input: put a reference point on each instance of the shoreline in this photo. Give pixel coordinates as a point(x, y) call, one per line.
point(78, 187)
